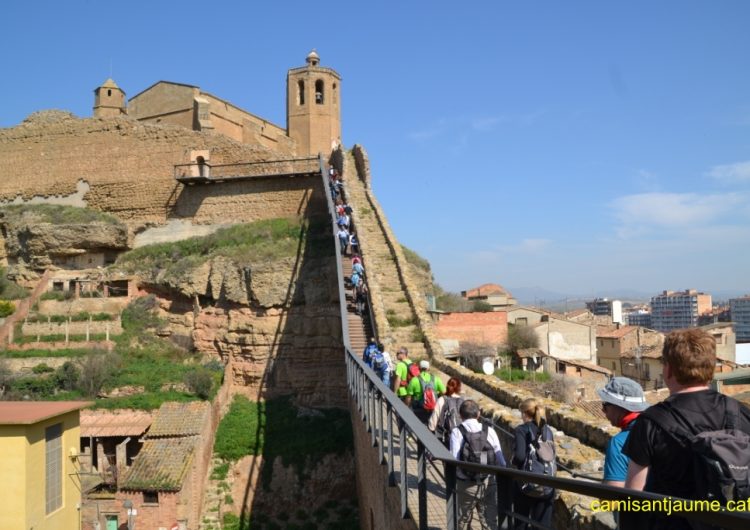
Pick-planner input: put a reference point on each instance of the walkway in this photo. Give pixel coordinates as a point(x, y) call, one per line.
point(386, 291)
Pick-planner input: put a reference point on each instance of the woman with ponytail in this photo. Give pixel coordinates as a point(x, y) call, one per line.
point(532, 501)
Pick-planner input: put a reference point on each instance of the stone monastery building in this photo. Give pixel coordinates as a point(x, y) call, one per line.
point(125, 158)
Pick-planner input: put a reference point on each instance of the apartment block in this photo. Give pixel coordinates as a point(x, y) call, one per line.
point(678, 309)
point(740, 311)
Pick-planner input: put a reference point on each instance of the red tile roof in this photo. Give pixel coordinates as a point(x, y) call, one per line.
point(103, 423)
point(486, 289)
point(30, 412)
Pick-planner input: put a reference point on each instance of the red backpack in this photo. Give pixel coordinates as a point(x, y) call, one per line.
point(412, 371)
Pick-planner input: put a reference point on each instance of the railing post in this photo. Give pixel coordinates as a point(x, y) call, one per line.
point(403, 469)
point(451, 498)
point(374, 400)
point(381, 434)
point(391, 476)
point(422, 484)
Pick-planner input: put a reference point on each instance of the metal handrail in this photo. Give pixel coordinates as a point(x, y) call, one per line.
point(372, 396)
point(214, 171)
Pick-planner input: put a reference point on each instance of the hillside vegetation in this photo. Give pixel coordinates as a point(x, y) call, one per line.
point(265, 240)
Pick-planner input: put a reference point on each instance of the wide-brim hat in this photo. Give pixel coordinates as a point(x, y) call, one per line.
point(624, 393)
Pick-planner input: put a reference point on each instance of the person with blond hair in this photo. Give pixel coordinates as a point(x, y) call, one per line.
point(664, 457)
point(527, 435)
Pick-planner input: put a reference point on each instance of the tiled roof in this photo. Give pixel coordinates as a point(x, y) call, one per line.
point(179, 419)
point(161, 465)
point(30, 412)
point(607, 332)
point(486, 289)
point(103, 423)
point(593, 407)
point(652, 352)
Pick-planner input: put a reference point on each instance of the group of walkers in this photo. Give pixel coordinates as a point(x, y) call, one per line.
point(456, 422)
point(691, 445)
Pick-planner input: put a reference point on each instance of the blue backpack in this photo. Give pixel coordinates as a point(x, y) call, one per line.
point(379, 364)
point(367, 355)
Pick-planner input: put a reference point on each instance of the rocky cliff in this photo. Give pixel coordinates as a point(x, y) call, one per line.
point(39, 237)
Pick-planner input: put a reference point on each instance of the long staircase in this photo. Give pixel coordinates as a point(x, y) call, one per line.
point(393, 314)
point(360, 329)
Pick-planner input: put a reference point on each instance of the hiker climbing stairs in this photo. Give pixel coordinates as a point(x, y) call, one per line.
point(390, 304)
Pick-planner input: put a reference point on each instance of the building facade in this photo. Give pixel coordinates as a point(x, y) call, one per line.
point(672, 310)
point(491, 293)
point(740, 311)
point(39, 464)
point(606, 307)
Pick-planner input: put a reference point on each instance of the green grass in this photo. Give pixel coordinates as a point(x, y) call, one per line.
point(220, 471)
point(239, 433)
point(516, 374)
point(26, 354)
point(272, 428)
point(257, 242)
point(396, 321)
point(59, 337)
point(57, 214)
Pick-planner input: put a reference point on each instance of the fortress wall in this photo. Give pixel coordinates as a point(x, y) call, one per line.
point(129, 169)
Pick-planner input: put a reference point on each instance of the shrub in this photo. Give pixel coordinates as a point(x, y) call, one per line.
point(97, 369)
point(7, 308)
point(10, 290)
point(67, 376)
point(200, 382)
point(521, 337)
point(42, 368)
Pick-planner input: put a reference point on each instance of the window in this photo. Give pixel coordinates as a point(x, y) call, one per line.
point(150, 497)
point(53, 473)
point(646, 371)
point(109, 92)
point(319, 92)
point(614, 366)
point(522, 321)
point(301, 92)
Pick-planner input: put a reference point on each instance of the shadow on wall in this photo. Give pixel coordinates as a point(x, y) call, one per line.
point(246, 200)
point(307, 370)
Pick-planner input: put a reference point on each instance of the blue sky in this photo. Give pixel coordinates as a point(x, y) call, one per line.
point(580, 147)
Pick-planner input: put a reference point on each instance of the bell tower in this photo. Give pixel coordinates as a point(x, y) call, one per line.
point(109, 100)
point(313, 107)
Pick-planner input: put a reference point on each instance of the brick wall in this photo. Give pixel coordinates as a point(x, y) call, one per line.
point(482, 328)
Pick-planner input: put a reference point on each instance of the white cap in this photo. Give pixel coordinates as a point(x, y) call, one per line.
point(424, 365)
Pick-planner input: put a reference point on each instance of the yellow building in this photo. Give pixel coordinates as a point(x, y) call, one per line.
point(39, 445)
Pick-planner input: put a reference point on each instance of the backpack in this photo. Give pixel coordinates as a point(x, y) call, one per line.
point(540, 459)
point(720, 459)
point(412, 371)
point(367, 355)
point(379, 364)
point(429, 400)
point(449, 419)
point(477, 450)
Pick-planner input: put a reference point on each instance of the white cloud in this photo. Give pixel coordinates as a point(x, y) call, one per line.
point(645, 212)
point(487, 123)
point(737, 172)
point(429, 132)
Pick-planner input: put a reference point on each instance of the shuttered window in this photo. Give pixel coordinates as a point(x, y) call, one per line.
point(53, 467)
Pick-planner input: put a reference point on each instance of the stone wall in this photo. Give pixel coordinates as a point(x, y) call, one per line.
point(113, 305)
point(128, 168)
point(74, 328)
